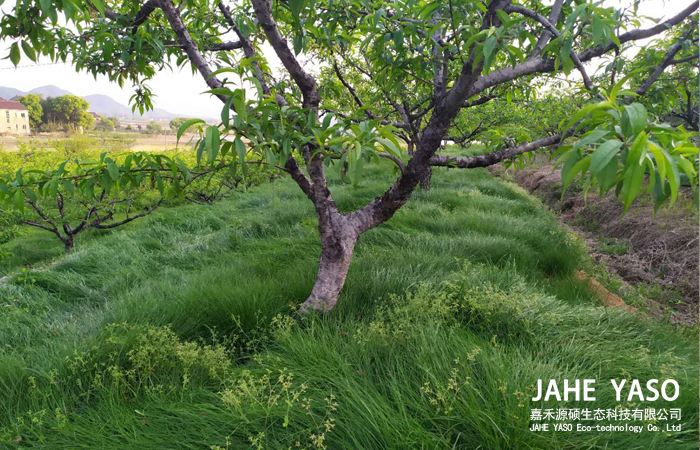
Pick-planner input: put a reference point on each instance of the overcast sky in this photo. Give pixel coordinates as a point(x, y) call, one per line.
point(180, 92)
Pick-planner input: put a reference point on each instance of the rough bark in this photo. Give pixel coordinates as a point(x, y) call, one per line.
point(338, 238)
point(425, 181)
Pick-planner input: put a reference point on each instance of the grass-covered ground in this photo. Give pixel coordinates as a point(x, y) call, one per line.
point(178, 332)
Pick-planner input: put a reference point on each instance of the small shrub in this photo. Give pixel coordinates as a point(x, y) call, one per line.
point(614, 246)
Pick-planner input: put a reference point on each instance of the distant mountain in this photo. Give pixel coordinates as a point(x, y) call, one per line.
point(107, 106)
point(49, 91)
point(8, 93)
point(99, 103)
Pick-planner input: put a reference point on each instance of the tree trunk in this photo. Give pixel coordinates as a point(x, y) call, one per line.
point(425, 181)
point(338, 240)
point(68, 243)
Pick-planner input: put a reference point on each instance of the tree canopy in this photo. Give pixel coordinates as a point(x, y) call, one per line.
point(33, 104)
point(68, 110)
point(391, 80)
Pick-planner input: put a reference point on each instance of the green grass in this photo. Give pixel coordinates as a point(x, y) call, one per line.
point(179, 331)
point(614, 246)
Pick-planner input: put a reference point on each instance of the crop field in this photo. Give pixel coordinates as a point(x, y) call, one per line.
point(112, 141)
point(181, 328)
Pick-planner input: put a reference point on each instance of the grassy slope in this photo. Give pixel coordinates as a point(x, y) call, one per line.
point(175, 332)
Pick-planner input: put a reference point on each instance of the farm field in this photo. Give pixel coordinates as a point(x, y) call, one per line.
point(136, 142)
point(181, 328)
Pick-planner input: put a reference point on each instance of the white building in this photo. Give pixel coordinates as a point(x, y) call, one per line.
point(14, 117)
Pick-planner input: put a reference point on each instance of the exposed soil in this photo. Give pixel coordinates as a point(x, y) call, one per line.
point(659, 256)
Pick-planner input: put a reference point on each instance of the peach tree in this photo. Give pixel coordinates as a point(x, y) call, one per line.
point(407, 69)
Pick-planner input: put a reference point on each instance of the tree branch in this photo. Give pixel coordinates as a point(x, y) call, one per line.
point(223, 46)
point(350, 89)
point(668, 59)
point(99, 225)
point(683, 60)
point(396, 160)
point(306, 82)
point(539, 65)
point(552, 30)
point(489, 159)
point(546, 35)
point(188, 45)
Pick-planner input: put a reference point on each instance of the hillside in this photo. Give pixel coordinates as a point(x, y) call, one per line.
point(180, 332)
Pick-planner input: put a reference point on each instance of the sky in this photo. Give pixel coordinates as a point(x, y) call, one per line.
point(180, 92)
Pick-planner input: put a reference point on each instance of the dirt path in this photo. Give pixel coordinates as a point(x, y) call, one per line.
point(658, 256)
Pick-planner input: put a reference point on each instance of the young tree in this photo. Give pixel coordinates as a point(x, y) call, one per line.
point(421, 63)
point(33, 104)
point(104, 124)
point(82, 195)
point(153, 127)
point(176, 123)
point(67, 110)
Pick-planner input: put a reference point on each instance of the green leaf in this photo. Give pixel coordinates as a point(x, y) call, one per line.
point(241, 151)
point(113, 170)
point(602, 156)
point(660, 192)
point(295, 6)
point(257, 85)
point(634, 120)
point(390, 147)
point(100, 5)
point(398, 40)
point(580, 167)
point(187, 124)
point(28, 50)
point(607, 176)
point(270, 156)
point(586, 110)
point(212, 143)
point(673, 176)
point(185, 170)
point(427, 11)
point(200, 152)
point(239, 104)
point(688, 168)
point(18, 200)
point(659, 159)
point(632, 184)
point(574, 157)
point(489, 47)
point(226, 112)
point(298, 43)
point(474, 37)
point(222, 70)
point(219, 91)
point(638, 150)
point(14, 54)
point(590, 138)
point(616, 89)
point(634, 173)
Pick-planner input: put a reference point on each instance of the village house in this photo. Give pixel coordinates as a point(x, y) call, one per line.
point(14, 117)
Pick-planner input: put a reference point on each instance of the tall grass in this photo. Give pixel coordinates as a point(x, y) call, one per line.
point(180, 331)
